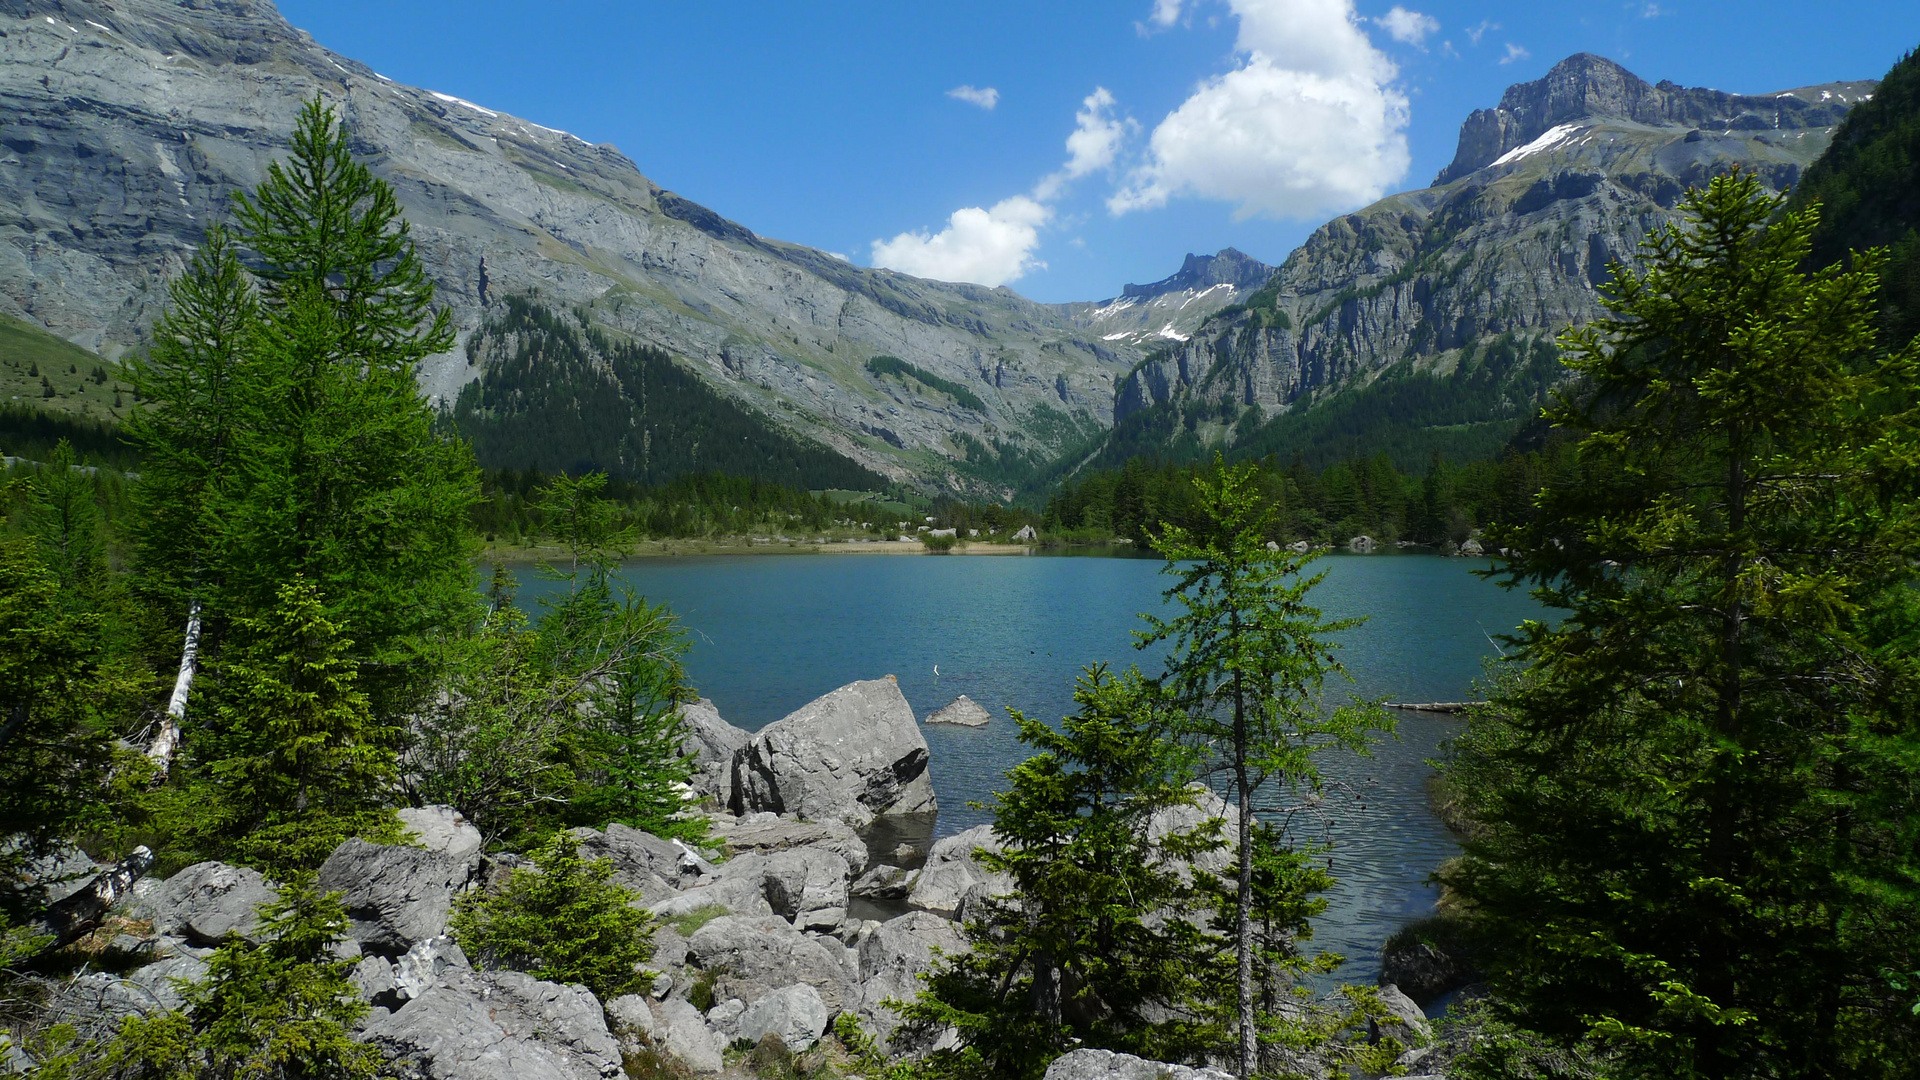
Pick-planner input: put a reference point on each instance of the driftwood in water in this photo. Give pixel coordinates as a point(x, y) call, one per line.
point(1454, 707)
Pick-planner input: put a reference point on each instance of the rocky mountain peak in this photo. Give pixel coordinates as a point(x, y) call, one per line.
point(1229, 267)
point(1589, 87)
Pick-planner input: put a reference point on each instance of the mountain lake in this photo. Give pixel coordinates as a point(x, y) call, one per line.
point(768, 633)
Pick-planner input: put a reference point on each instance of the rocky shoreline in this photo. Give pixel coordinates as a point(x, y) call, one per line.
point(789, 925)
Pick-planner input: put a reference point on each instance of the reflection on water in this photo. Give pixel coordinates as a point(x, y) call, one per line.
point(769, 633)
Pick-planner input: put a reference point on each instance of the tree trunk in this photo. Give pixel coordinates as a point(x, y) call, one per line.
point(70, 919)
point(1243, 917)
point(161, 750)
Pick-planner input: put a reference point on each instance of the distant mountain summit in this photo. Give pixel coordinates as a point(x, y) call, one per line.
point(1229, 267)
point(1589, 87)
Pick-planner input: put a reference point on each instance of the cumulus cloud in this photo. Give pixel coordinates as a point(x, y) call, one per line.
point(1095, 142)
point(1406, 26)
point(988, 247)
point(985, 97)
point(1514, 52)
point(1165, 12)
point(1308, 122)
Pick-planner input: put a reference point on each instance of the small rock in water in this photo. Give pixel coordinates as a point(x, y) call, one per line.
point(964, 712)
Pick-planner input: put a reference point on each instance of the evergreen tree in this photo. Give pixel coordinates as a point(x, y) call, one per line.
point(1100, 941)
point(1248, 663)
point(1696, 820)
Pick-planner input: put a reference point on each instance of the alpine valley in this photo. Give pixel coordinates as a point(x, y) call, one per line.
point(582, 291)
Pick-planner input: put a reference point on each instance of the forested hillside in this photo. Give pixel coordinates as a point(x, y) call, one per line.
point(559, 396)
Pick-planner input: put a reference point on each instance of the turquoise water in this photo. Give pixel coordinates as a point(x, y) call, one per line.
point(769, 633)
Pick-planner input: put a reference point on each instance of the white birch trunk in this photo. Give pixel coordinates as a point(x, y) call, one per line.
point(160, 751)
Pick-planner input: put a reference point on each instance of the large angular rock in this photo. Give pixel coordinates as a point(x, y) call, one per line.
point(206, 902)
point(893, 956)
point(849, 756)
point(1405, 1020)
point(808, 887)
point(685, 1034)
point(395, 895)
point(739, 886)
point(652, 867)
point(714, 744)
point(952, 870)
point(795, 1014)
point(442, 829)
point(503, 1025)
point(1107, 1065)
point(165, 979)
point(757, 956)
point(764, 833)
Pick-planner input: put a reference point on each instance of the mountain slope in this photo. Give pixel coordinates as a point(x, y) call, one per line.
point(1423, 290)
point(126, 125)
point(1171, 308)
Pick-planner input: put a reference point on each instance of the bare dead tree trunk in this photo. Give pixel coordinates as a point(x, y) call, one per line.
point(161, 750)
point(70, 919)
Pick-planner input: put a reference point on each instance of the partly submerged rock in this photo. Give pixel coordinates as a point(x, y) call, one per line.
point(964, 712)
point(884, 883)
point(850, 756)
point(1362, 545)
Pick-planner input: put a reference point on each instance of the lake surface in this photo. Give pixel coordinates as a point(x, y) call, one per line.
point(768, 633)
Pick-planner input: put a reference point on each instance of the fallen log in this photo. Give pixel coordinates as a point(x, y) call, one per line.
point(1451, 707)
point(69, 920)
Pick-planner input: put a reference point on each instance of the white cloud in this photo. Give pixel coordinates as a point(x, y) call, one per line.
point(1514, 52)
point(1406, 26)
point(1095, 142)
point(985, 97)
point(1307, 124)
point(1475, 33)
point(1166, 12)
point(989, 247)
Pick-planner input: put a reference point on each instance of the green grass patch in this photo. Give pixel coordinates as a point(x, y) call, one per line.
point(43, 372)
point(693, 920)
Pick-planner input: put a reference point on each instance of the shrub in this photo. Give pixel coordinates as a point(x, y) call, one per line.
point(693, 920)
point(564, 922)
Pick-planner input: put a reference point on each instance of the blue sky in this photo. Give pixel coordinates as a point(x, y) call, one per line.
point(1100, 142)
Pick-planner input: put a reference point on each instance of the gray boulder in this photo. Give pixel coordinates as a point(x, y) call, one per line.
point(1472, 547)
point(643, 862)
point(795, 1014)
point(714, 744)
point(952, 870)
point(206, 902)
point(425, 965)
point(964, 712)
point(884, 883)
point(442, 829)
point(764, 833)
point(395, 895)
point(1362, 545)
point(630, 1019)
point(850, 756)
point(1405, 1020)
point(725, 1018)
point(738, 885)
point(893, 956)
point(373, 979)
point(684, 1034)
point(808, 887)
point(756, 956)
point(1107, 1065)
point(164, 979)
point(502, 1025)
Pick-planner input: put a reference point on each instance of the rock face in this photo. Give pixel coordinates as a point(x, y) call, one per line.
point(1107, 1065)
point(396, 896)
point(952, 871)
point(850, 756)
point(501, 1025)
point(964, 711)
point(714, 744)
point(758, 956)
point(1484, 268)
point(127, 126)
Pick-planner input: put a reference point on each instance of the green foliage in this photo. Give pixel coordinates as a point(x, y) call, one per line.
point(1867, 186)
point(938, 545)
point(572, 399)
point(1694, 820)
point(292, 755)
point(564, 923)
point(1248, 662)
point(893, 365)
point(1097, 944)
point(685, 924)
point(286, 1007)
point(32, 433)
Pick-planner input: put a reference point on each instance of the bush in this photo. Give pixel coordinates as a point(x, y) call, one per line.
point(939, 545)
point(564, 922)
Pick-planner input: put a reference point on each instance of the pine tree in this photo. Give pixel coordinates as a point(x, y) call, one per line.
point(1697, 827)
point(1249, 660)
